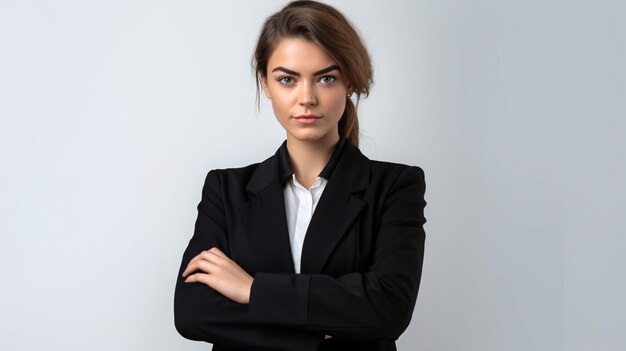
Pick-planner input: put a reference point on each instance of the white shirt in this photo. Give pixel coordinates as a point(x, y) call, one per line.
point(300, 204)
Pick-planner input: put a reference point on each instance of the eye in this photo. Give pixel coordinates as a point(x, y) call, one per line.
point(285, 80)
point(328, 79)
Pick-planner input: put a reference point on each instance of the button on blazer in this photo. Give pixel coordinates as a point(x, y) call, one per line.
point(361, 260)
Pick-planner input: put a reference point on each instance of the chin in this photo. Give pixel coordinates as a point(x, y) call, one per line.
point(310, 135)
point(307, 138)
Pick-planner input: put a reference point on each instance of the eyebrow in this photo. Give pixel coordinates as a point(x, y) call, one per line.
point(322, 71)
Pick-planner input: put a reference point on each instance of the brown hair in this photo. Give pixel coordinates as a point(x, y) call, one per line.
point(325, 26)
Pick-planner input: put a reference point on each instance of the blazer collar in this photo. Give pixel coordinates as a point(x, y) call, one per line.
point(265, 221)
point(286, 170)
point(347, 166)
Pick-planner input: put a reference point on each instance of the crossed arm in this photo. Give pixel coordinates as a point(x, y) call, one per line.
point(219, 302)
point(221, 273)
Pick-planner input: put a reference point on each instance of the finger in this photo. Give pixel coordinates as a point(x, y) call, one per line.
point(201, 265)
point(219, 252)
point(195, 258)
point(190, 266)
point(207, 255)
point(194, 264)
point(216, 256)
point(200, 278)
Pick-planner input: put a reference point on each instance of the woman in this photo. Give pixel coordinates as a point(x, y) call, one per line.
point(317, 247)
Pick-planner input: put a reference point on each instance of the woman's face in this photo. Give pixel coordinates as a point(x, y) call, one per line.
point(303, 80)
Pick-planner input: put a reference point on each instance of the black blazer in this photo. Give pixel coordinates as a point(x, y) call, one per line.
point(361, 259)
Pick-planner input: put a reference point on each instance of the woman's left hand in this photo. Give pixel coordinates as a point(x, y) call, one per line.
point(221, 273)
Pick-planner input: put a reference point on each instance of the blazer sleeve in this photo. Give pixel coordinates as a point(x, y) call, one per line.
point(376, 304)
point(201, 313)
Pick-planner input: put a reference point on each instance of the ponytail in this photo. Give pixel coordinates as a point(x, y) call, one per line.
point(349, 123)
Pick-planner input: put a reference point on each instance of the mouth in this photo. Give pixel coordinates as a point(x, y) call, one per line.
point(307, 119)
point(307, 116)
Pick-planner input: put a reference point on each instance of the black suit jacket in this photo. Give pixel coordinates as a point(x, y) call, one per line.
point(361, 259)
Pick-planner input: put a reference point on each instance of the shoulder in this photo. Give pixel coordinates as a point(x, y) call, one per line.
point(237, 180)
point(234, 173)
point(391, 172)
point(231, 176)
point(399, 188)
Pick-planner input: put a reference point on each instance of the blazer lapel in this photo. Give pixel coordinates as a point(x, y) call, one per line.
point(265, 221)
point(337, 209)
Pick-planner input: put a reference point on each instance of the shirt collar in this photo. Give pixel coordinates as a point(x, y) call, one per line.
point(286, 170)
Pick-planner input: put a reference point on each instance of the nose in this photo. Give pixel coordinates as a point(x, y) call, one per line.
point(307, 95)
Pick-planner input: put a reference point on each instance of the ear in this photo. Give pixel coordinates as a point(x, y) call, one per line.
point(349, 90)
point(266, 89)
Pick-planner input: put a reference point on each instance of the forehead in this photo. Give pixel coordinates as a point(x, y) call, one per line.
point(299, 55)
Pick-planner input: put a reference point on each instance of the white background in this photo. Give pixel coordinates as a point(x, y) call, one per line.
point(112, 113)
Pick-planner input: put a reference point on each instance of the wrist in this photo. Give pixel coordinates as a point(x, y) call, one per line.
point(248, 291)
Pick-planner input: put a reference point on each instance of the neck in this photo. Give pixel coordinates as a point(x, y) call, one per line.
point(308, 158)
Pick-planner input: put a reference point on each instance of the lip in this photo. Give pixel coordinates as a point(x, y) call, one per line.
point(307, 119)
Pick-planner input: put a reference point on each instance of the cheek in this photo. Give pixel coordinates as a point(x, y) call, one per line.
point(338, 103)
point(281, 107)
point(281, 101)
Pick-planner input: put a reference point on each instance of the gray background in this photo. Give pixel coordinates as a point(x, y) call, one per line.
point(112, 112)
